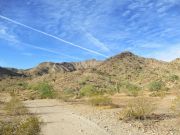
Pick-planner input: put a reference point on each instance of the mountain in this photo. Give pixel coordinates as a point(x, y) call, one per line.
point(125, 66)
point(6, 72)
point(128, 66)
point(50, 67)
point(175, 64)
point(122, 68)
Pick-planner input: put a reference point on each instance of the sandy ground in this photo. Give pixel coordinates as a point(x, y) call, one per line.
point(62, 118)
point(59, 120)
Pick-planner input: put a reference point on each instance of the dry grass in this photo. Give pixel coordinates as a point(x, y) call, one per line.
point(16, 119)
point(17, 126)
point(100, 101)
point(138, 108)
point(15, 107)
point(161, 94)
point(176, 105)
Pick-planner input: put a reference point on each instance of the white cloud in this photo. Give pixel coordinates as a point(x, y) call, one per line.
point(27, 54)
point(167, 54)
point(126, 13)
point(150, 45)
point(5, 35)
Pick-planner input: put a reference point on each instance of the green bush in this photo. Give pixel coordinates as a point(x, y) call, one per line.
point(156, 86)
point(23, 85)
point(173, 78)
point(100, 101)
point(132, 89)
point(88, 90)
point(44, 89)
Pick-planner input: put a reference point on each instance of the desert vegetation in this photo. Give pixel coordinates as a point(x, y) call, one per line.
point(136, 88)
point(100, 101)
point(17, 120)
point(138, 108)
point(15, 107)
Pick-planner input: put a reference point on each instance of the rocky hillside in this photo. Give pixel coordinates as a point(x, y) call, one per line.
point(50, 67)
point(123, 68)
point(127, 66)
point(175, 64)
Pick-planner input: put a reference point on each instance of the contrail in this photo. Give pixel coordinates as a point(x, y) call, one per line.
point(42, 49)
point(50, 51)
point(55, 37)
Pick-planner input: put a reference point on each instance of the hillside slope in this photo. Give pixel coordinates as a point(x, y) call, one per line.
point(50, 67)
point(116, 71)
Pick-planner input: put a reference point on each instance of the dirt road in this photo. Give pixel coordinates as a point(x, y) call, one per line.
point(58, 120)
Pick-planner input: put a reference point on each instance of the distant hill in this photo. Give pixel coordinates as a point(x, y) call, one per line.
point(128, 66)
point(50, 67)
point(6, 72)
point(175, 64)
point(125, 66)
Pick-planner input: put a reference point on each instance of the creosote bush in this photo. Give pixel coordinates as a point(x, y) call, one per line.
point(88, 90)
point(139, 108)
point(173, 78)
point(132, 89)
point(156, 86)
point(23, 85)
point(44, 89)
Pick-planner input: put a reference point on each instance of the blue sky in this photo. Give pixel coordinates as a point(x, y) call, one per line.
point(34, 31)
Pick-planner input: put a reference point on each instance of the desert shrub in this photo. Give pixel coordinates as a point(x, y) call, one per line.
point(69, 91)
point(44, 89)
point(139, 108)
point(173, 78)
point(156, 86)
point(160, 93)
point(23, 85)
point(132, 89)
point(8, 128)
point(84, 80)
point(31, 126)
point(88, 90)
point(100, 101)
point(15, 107)
point(68, 94)
point(28, 126)
point(109, 89)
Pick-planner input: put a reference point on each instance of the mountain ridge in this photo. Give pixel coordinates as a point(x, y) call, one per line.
point(124, 61)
